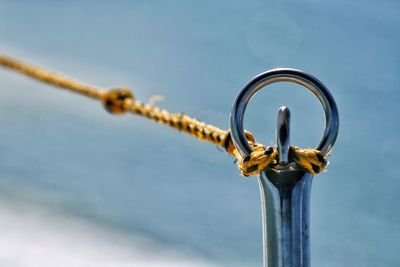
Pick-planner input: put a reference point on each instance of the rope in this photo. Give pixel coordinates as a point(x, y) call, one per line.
point(121, 100)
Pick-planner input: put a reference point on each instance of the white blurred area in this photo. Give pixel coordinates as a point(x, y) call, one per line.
point(31, 236)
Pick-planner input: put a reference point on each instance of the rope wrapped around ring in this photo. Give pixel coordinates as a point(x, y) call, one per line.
point(262, 157)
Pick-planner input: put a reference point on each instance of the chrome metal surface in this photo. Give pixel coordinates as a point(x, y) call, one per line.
point(285, 200)
point(283, 134)
point(285, 75)
point(285, 189)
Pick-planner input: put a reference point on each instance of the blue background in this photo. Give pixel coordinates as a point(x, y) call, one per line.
point(64, 153)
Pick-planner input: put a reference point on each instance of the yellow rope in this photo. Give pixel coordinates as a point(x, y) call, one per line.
point(121, 100)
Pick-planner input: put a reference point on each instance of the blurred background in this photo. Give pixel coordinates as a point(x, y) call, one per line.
point(79, 187)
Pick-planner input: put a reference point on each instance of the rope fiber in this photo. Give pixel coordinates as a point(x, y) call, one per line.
point(121, 100)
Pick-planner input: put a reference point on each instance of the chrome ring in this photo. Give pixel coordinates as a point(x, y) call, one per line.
point(285, 75)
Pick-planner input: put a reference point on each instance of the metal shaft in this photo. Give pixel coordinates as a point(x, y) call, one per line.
point(283, 134)
point(285, 189)
point(285, 198)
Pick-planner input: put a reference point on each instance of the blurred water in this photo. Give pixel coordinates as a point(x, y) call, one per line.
point(65, 154)
point(33, 237)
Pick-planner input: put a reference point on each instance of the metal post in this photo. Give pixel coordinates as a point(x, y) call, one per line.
point(285, 199)
point(286, 218)
point(285, 188)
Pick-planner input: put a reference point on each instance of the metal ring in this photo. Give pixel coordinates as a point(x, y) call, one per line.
point(285, 75)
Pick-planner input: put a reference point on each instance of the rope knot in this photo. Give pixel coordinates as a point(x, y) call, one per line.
point(262, 157)
point(310, 159)
point(118, 100)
